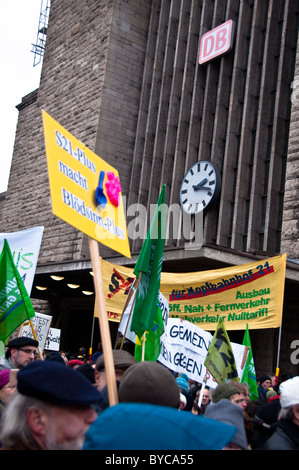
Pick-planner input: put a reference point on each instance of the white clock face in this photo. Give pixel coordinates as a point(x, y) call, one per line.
point(199, 187)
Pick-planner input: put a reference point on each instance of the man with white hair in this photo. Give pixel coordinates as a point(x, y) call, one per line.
point(286, 435)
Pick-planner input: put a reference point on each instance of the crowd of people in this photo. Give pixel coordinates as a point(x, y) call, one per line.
point(62, 402)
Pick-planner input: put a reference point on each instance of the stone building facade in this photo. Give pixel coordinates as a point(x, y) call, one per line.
point(123, 77)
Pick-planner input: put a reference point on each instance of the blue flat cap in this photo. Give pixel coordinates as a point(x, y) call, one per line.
point(55, 383)
point(155, 427)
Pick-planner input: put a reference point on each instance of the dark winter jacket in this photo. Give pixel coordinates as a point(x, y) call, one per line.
point(285, 437)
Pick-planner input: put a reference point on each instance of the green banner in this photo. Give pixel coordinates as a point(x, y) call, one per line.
point(15, 303)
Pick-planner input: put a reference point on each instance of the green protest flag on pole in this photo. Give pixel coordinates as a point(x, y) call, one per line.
point(220, 361)
point(148, 268)
point(152, 341)
point(249, 375)
point(15, 303)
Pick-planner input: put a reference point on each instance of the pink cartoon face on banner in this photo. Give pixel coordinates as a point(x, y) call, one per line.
point(113, 188)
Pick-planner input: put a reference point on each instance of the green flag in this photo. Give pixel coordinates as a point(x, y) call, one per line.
point(15, 303)
point(152, 341)
point(249, 375)
point(148, 268)
point(220, 361)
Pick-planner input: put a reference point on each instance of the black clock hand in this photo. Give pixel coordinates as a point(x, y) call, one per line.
point(200, 185)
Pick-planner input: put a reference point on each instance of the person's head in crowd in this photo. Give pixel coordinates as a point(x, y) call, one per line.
point(244, 393)
point(88, 371)
point(289, 400)
point(75, 363)
point(271, 394)
point(195, 408)
point(206, 397)
point(143, 426)
point(182, 383)
point(265, 382)
point(229, 413)
point(149, 382)
point(286, 433)
point(226, 390)
point(122, 361)
point(21, 351)
point(54, 356)
point(52, 409)
point(8, 385)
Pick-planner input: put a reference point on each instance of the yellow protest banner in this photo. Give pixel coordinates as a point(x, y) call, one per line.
point(85, 190)
point(117, 281)
point(247, 294)
point(251, 293)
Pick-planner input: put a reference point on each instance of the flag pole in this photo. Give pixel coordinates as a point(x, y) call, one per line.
point(137, 281)
point(202, 390)
point(245, 355)
point(129, 296)
point(143, 346)
point(103, 321)
point(203, 385)
point(35, 337)
point(126, 328)
point(91, 339)
point(278, 357)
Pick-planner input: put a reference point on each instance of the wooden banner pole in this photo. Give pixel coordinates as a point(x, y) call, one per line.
point(143, 346)
point(103, 321)
point(244, 359)
point(203, 387)
point(35, 337)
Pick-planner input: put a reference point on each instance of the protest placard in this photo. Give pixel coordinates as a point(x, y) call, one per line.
point(184, 347)
point(24, 246)
point(53, 340)
point(41, 324)
point(86, 193)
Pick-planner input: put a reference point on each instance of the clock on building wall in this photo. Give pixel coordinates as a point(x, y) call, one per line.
point(200, 187)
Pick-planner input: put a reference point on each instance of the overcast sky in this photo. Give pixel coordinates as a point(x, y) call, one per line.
point(18, 31)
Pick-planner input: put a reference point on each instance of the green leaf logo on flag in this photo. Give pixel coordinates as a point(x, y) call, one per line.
point(15, 303)
point(220, 361)
point(152, 340)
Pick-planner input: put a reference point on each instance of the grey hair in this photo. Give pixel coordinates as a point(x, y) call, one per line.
point(288, 413)
point(15, 432)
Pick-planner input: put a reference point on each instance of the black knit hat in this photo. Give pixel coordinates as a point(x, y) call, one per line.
point(264, 378)
point(149, 382)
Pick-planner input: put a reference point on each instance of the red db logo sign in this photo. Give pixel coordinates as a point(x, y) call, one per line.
point(216, 42)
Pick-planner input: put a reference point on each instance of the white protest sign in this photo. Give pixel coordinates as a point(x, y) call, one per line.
point(41, 325)
point(24, 246)
point(184, 347)
point(53, 339)
point(163, 303)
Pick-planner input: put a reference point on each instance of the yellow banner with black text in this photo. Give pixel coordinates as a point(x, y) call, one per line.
point(250, 294)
